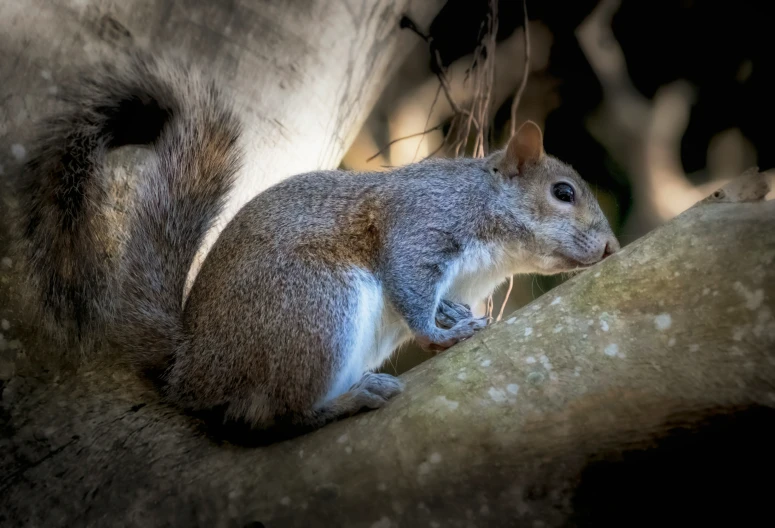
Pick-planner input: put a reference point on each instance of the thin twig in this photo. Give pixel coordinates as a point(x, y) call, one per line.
point(489, 81)
point(514, 106)
point(393, 142)
point(442, 75)
point(483, 74)
point(525, 72)
point(408, 23)
point(427, 120)
point(506, 298)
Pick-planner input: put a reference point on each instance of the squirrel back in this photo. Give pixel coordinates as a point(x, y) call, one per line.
point(136, 100)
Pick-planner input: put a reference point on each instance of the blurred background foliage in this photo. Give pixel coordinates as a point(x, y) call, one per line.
point(656, 103)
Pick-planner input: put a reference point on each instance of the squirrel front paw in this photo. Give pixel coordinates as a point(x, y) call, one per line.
point(462, 328)
point(450, 313)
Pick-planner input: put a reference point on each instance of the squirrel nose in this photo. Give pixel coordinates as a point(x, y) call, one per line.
point(611, 247)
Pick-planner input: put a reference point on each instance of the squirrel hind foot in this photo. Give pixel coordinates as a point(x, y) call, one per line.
point(384, 386)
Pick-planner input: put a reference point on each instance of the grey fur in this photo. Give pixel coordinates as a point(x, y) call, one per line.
point(306, 273)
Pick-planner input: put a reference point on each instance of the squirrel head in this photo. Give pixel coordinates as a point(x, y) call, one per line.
point(567, 229)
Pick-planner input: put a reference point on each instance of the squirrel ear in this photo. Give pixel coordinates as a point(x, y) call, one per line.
point(526, 146)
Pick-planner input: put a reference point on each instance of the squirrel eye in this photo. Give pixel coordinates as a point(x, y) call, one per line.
point(563, 192)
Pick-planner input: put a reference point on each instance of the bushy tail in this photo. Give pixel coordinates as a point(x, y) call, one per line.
point(65, 195)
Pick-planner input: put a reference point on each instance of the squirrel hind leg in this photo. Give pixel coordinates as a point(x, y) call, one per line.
point(372, 391)
point(249, 423)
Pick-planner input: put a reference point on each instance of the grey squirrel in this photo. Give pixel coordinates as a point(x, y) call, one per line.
point(314, 283)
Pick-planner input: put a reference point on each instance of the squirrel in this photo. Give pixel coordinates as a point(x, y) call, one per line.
point(314, 282)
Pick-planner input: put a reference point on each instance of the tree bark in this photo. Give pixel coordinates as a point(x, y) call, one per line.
point(642, 384)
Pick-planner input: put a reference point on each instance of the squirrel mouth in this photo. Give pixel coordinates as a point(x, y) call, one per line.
point(573, 264)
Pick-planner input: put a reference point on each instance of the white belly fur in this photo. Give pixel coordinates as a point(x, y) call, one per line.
point(475, 274)
point(378, 331)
